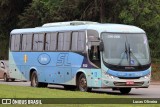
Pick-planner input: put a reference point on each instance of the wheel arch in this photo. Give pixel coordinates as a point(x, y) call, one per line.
point(79, 73)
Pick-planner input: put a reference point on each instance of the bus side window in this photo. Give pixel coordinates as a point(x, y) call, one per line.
point(74, 45)
point(67, 41)
point(51, 41)
point(48, 41)
point(29, 42)
point(13, 42)
point(81, 41)
point(17, 43)
point(24, 42)
point(60, 41)
point(40, 42)
point(35, 42)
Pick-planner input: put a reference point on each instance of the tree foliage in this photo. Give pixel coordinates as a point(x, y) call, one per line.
point(142, 13)
point(9, 12)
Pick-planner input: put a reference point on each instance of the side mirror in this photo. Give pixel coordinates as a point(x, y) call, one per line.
point(101, 46)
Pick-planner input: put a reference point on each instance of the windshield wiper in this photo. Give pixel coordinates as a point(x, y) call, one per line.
point(124, 53)
point(130, 52)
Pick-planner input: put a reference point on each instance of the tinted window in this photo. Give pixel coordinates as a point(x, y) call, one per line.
point(15, 42)
point(38, 42)
point(51, 41)
point(27, 42)
point(93, 35)
point(60, 41)
point(81, 41)
point(74, 41)
point(67, 41)
point(24, 42)
point(12, 42)
point(78, 41)
point(35, 42)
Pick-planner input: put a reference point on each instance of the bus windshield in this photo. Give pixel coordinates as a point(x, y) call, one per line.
point(125, 49)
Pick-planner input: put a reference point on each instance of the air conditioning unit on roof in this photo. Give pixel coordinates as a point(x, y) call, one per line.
point(69, 23)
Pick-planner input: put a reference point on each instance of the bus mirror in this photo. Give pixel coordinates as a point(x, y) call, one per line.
point(101, 46)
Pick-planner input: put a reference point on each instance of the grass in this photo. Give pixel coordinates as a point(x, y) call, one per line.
point(7, 91)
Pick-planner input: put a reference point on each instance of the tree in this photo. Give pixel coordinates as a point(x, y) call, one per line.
point(145, 14)
point(9, 9)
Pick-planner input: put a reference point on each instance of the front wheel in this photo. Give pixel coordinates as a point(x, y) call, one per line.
point(125, 90)
point(82, 83)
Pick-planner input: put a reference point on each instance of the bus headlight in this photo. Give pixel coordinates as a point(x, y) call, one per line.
point(147, 76)
point(109, 76)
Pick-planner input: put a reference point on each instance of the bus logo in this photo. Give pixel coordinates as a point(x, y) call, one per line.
point(44, 59)
point(62, 60)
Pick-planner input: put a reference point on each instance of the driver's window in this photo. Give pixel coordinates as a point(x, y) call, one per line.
point(93, 47)
point(94, 55)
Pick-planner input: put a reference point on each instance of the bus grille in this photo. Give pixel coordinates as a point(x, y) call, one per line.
point(124, 84)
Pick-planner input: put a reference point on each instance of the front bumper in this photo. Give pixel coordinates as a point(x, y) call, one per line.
point(118, 83)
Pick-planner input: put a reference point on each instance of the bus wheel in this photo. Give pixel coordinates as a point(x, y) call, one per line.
point(82, 83)
point(125, 90)
point(34, 80)
point(5, 78)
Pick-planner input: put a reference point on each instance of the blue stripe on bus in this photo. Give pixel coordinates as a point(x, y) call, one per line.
point(129, 73)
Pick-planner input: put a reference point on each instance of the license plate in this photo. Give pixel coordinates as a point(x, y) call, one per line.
point(130, 83)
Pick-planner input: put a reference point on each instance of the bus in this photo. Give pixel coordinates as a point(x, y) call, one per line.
point(81, 55)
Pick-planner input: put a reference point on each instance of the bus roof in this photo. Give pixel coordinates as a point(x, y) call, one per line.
point(116, 28)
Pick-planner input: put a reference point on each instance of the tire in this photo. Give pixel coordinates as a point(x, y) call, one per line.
point(82, 84)
point(34, 81)
point(5, 78)
point(125, 90)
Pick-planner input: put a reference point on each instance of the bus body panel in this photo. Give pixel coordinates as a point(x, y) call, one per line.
point(61, 69)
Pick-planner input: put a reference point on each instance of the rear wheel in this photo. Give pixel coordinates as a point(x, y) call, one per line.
point(5, 78)
point(82, 83)
point(34, 81)
point(125, 90)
